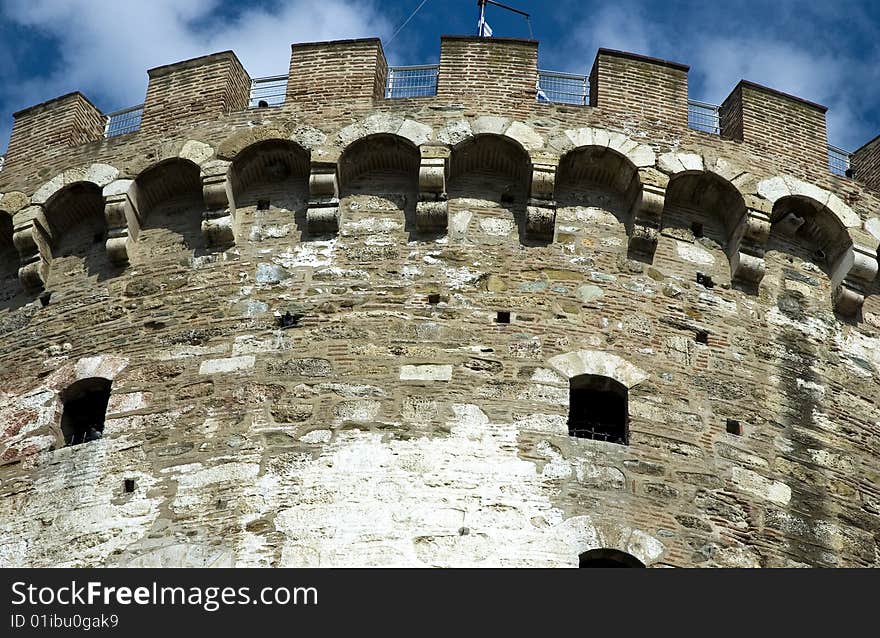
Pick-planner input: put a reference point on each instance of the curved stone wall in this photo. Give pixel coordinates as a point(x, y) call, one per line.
point(299, 315)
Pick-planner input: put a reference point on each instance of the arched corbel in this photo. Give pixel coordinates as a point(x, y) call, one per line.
point(647, 212)
point(322, 216)
point(747, 244)
point(117, 212)
point(26, 238)
point(541, 209)
point(852, 275)
point(432, 209)
point(218, 219)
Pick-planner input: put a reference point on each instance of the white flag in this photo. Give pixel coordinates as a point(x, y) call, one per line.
point(485, 29)
point(542, 95)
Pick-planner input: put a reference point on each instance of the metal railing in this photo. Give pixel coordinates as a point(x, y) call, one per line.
point(124, 121)
point(563, 88)
point(2, 160)
point(703, 116)
point(412, 81)
point(268, 91)
point(838, 161)
point(610, 432)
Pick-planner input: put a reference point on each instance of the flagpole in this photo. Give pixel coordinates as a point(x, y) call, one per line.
point(482, 21)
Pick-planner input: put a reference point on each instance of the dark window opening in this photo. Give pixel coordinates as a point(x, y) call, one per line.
point(45, 298)
point(85, 407)
point(503, 316)
point(433, 299)
point(263, 204)
point(697, 229)
point(289, 320)
point(702, 337)
point(734, 427)
point(608, 558)
point(129, 486)
point(598, 409)
point(262, 104)
point(705, 280)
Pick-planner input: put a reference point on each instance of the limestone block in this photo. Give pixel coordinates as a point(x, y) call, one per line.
point(646, 219)
point(432, 176)
point(528, 137)
point(322, 218)
point(540, 220)
point(432, 216)
point(196, 152)
point(232, 364)
point(426, 373)
point(217, 228)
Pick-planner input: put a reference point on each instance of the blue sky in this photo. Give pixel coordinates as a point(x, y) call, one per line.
point(827, 52)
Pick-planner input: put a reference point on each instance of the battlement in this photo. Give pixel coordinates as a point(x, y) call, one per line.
point(494, 74)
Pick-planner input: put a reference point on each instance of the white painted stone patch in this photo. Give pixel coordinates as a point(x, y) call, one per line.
point(232, 364)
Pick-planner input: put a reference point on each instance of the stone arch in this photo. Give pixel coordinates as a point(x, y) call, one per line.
point(415, 132)
point(304, 136)
point(75, 374)
point(807, 245)
point(268, 162)
point(596, 187)
point(490, 179)
point(168, 203)
point(775, 188)
point(98, 174)
point(848, 249)
point(582, 534)
point(640, 155)
point(701, 215)
point(105, 366)
point(392, 155)
point(379, 173)
point(600, 167)
point(457, 131)
point(74, 232)
point(268, 183)
point(598, 363)
point(492, 156)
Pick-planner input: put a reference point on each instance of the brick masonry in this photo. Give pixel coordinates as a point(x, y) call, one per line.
point(391, 419)
point(787, 129)
point(866, 163)
point(195, 90)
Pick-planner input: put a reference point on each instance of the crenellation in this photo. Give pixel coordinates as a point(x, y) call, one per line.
point(786, 128)
point(362, 324)
point(865, 164)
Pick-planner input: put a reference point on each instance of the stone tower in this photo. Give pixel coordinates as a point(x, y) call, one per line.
point(471, 328)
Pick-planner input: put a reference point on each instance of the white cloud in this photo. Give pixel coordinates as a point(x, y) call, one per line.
point(106, 46)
